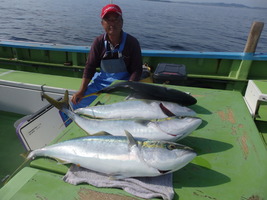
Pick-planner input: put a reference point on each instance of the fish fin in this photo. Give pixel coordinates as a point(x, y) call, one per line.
point(66, 97)
point(102, 133)
point(116, 177)
point(147, 101)
point(8, 177)
point(91, 94)
point(130, 85)
point(143, 122)
point(166, 111)
point(116, 86)
point(25, 154)
point(58, 104)
point(131, 141)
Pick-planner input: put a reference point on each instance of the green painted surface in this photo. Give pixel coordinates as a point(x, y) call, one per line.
point(258, 70)
point(214, 71)
point(202, 72)
point(10, 146)
point(261, 120)
point(262, 85)
point(262, 112)
point(231, 161)
point(40, 79)
point(31, 184)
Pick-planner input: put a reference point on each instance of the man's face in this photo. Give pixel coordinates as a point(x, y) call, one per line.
point(112, 24)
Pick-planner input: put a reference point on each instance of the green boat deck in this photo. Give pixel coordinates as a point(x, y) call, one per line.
point(10, 146)
point(231, 161)
point(24, 77)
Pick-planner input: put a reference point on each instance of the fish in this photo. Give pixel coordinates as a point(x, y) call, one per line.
point(169, 129)
point(154, 92)
point(141, 109)
point(119, 157)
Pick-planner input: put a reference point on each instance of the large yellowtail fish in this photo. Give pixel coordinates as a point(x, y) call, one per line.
point(172, 129)
point(120, 156)
point(141, 109)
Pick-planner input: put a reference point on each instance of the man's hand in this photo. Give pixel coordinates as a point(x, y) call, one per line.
point(77, 97)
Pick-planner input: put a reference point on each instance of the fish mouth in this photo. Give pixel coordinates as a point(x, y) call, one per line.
point(196, 121)
point(173, 135)
point(158, 126)
point(164, 171)
point(188, 156)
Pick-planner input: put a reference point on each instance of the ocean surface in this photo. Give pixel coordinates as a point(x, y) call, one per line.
point(158, 25)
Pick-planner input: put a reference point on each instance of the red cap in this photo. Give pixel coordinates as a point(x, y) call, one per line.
point(110, 8)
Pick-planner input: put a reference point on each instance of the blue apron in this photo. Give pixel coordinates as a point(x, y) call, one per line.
point(110, 70)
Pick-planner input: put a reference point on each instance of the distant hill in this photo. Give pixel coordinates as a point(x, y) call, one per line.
point(210, 4)
point(221, 4)
point(226, 5)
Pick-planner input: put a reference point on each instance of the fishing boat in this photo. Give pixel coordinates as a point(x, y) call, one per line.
point(231, 93)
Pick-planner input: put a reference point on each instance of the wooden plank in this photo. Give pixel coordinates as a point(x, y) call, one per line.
point(253, 37)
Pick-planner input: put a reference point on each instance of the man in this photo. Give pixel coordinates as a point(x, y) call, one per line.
point(117, 53)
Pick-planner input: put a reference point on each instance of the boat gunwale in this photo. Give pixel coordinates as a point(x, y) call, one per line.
point(145, 52)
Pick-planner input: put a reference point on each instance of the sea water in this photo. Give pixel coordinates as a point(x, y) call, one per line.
point(158, 25)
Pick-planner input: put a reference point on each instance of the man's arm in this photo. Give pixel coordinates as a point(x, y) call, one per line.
point(92, 62)
point(77, 97)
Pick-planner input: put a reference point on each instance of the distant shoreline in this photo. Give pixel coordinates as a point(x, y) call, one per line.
point(233, 5)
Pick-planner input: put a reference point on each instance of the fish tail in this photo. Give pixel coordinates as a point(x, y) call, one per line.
point(25, 163)
point(64, 103)
point(35, 153)
point(31, 155)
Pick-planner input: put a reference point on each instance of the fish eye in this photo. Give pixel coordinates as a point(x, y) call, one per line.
point(182, 117)
point(171, 146)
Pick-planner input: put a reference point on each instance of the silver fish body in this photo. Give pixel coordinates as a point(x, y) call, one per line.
point(169, 129)
point(145, 109)
point(172, 129)
point(119, 156)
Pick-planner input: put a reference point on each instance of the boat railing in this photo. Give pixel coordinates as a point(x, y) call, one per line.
point(232, 68)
